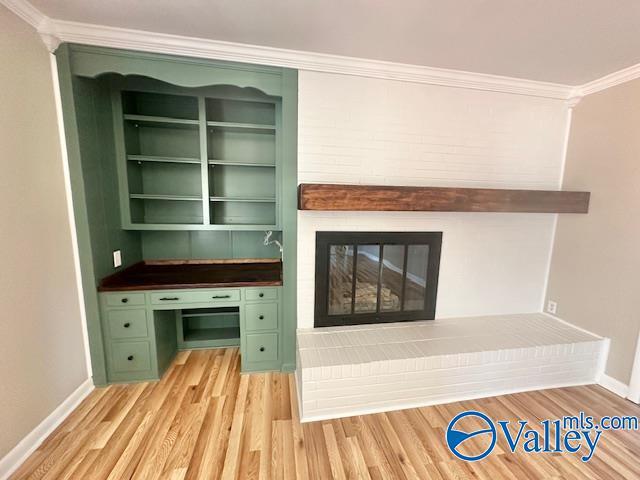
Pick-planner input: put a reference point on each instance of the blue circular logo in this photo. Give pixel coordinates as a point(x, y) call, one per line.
point(456, 437)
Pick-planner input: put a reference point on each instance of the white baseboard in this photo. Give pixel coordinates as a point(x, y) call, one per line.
point(613, 385)
point(32, 441)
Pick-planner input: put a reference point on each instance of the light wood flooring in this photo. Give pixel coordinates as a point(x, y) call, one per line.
point(204, 420)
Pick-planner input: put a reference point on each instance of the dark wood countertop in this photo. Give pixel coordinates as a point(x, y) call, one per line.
point(170, 274)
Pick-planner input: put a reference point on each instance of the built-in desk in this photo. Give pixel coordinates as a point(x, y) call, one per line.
point(151, 310)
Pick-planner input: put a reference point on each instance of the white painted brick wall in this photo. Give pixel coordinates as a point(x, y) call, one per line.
point(371, 131)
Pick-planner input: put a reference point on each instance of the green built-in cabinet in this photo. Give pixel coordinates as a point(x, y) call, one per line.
point(196, 159)
point(143, 330)
point(178, 157)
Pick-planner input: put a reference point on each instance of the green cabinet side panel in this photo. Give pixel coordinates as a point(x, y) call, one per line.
point(289, 215)
point(97, 149)
point(80, 209)
point(166, 342)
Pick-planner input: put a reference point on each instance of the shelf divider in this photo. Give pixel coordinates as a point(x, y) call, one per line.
point(204, 155)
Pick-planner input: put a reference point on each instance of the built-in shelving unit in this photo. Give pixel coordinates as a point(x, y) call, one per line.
point(198, 159)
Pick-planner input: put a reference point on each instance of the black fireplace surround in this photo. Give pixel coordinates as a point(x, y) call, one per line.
point(376, 277)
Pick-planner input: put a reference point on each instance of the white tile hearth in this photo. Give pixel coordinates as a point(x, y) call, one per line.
point(344, 371)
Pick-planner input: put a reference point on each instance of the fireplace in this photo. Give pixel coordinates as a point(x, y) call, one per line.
point(376, 277)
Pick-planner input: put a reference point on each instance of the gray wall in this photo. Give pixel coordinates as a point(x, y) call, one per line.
point(43, 359)
point(596, 257)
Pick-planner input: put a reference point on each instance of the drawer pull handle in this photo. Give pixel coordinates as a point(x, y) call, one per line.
point(127, 325)
point(221, 296)
point(261, 317)
point(124, 300)
point(169, 298)
point(261, 294)
point(130, 358)
point(262, 349)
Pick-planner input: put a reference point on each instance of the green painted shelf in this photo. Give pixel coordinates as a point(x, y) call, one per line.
point(241, 164)
point(147, 196)
point(157, 121)
point(242, 126)
point(157, 159)
point(243, 199)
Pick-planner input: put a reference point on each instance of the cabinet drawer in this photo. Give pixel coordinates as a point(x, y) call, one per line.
point(177, 297)
point(124, 299)
point(261, 316)
point(259, 294)
point(127, 323)
point(131, 356)
point(262, 347)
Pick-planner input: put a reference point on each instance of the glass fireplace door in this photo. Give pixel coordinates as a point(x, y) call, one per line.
point(375, 277)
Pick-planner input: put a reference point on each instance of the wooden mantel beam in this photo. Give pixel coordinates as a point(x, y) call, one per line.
point(327, 197)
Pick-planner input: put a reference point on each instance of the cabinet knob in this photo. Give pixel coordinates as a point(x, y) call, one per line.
point(262, 349)
point(124, 300)
point(127, 325)
point(261, 294)
point(130, 358)
point(261, 317)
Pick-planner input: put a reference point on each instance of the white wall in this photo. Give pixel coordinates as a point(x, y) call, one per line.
point(41, 339)
point(371, 131)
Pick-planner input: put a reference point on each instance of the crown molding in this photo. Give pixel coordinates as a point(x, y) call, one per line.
point(610, 80)
point(54, 32)
point(74, 32)
point(26, 11)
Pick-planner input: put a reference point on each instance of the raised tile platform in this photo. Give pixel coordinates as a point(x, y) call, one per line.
point(344, 371)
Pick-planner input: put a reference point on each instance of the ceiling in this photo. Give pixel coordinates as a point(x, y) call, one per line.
point(563, 41)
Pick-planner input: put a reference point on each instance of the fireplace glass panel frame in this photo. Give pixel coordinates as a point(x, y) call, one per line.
point(376, 277)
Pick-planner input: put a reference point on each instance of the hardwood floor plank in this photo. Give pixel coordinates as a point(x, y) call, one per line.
point(204, 420)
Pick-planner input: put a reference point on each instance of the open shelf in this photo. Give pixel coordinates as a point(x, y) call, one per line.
point(164, 166)
point(169, 140)
point(208, 327)
point(159, 159)
point(160, 121)
point(243, 212)
point(243, 126)
point(243, 199)
point(160, 105)
point(241, 164)
point(181, 198)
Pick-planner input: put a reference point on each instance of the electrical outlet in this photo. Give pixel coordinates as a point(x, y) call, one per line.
point(117, 259)
point(552, 307)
